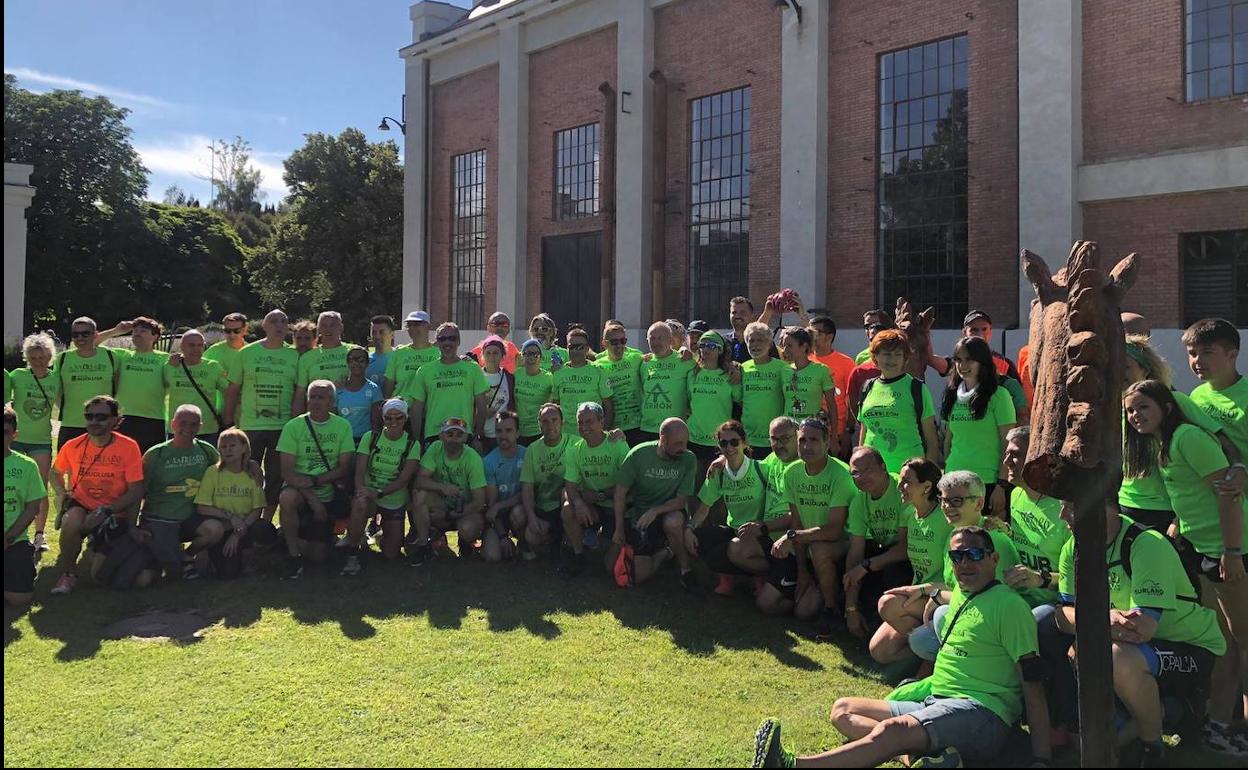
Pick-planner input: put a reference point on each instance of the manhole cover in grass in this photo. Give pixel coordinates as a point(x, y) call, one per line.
point(177, 625)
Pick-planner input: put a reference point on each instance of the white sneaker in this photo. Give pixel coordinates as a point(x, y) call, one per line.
point(40, 542)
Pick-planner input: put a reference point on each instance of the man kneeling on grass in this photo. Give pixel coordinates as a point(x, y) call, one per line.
point(652, 490)
point(451, 492)
point(987, 672)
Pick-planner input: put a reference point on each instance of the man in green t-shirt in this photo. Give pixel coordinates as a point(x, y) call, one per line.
point(1212, 350)
point(986, 675)
point(449, 387)
point(652, 491)
point(1036, 530)
point(84, 372)
point(623, 367)
point(406, 360)
point(877, 540)
point(192, 378)
point(1165, 643)
point(751, 550)
point(326, 361)
point(260, 397)
point(590, 467)
point(579, 381)
point(226, 351)
point(172, 472)
point(141, 384)
point(664, 382)
point(450, 492)
point(24, 488)
point(316, 450)
point(541, 484)
point(762, 387)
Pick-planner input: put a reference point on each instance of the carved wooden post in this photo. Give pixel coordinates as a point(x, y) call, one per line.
point(918, 330)
point(1076, 448)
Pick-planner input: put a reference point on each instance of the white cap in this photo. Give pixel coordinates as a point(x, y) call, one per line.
point(417, 316)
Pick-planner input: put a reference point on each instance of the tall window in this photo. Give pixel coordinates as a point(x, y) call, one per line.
point(922, 177)
point(1215, 276)
point(719, 202)
point(468, 239)
point(576, 172)
point(1217, 48)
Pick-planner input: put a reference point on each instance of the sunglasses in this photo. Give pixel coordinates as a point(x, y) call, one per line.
point(956, 502)
point(77, 335)
point(959, 555)
point(724, 443)
point(532, 353)
point(708, 346)
point(98, 416)
point(448, 339)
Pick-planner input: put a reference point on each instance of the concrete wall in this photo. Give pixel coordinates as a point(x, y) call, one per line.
point(17, 196)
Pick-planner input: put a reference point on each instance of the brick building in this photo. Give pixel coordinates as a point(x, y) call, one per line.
point(642, 159)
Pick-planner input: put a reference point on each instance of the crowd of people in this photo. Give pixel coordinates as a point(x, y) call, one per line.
point(827, 487)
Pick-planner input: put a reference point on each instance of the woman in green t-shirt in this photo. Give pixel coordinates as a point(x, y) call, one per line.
point(711, 398)
point(895, 410)
point(542, 328)
point(979, 413)
point(33, 390)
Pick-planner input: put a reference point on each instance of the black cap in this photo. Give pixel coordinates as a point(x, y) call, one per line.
point(976, 314)
point(699, 326)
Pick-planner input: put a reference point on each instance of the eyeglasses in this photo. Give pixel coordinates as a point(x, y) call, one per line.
point(228, 330)
point(956, 502)
point(959, 555)
point(724, 443)
point(447, 339)
point(98, 416)
point(77, 335)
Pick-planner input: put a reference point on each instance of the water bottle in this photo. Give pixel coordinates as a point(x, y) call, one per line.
point(556, 360)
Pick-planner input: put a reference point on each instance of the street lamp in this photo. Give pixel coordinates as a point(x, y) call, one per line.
point(384, 126)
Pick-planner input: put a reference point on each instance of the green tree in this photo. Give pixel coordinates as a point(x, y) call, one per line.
point(236, 183)
point(338, 241)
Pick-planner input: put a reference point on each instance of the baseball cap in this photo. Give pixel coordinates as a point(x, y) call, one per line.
point(394, 405)
point(493, 339)
point(417, 316)
point(531, 343)
point(975, 315)
point(453, 423)
point(699, 326)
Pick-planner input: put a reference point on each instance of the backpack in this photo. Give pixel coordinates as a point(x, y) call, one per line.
point(916, 393)
point(1124, 553)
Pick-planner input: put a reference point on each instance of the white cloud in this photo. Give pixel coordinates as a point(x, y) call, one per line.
point(188, 157)
point(28, 75)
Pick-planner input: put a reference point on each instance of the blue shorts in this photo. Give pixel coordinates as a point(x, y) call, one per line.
point(974, 730)
point(30, 450)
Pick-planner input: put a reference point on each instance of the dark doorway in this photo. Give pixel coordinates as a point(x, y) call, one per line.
point(572, 281)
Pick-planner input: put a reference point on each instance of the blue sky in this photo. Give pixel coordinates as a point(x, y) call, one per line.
point(267, 70)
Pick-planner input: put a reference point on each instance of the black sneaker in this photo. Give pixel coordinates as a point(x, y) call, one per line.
point(294, 568)
point(831, 622)
point(419, 555)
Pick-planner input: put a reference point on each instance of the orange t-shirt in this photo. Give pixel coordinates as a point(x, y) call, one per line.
point(840, 365)
point(100, 475)
point(510, 353)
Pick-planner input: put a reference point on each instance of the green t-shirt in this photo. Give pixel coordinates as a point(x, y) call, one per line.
point(532, 390)
point(863, 356)
point(979, 656)
point(82, 379)
point(711, 397)
point(544, 470)
point(593, 467)
point(664, 390)
point(1004, 548)
point(32, 400)
point(1230, 408)
point(777, 499)
point(1194, 454)
point(1038, 532)
point(927, 543)
point(975, 445)
point(222, 353)
point(575, 385)
point(1158, 582)
point(1148, 493)
point(236, 493)
point(466, 472)
point(813, 496)
point(762, 398)
point(22, 486)
point(385, 463)
point(548, 353)
point(653, 480)
point(267, 379)
point(448, 390)
point(625, 378)
point(879, 520)
point(335, 440)
point(323, 364)
point(803, 390)
point(141, 383)
point(402, 366)
point(212, 380)
point(745, 497)
point(892, 427)
point(172, 477)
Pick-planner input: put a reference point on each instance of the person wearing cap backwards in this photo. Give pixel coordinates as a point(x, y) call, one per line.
point(499, 325)
point(580, 381)
point(406, 360)
point(386, 462)
point(534, 386)
point(623, 367)
point(448, 387)
point(979, 324)
point(451, 494)
point(315, 450)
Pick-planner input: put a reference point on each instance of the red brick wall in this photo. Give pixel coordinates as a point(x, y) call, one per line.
point(859, 33)
point(563, 93)
point(1151, 227)
point(465, 119)
point(704, 47)
point(1133, 92)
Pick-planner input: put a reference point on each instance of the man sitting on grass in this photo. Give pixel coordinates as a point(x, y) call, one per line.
point(451, 492)
point(987, 672)
point(24, 490)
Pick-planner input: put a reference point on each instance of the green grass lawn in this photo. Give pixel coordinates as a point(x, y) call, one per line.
point(455, 663)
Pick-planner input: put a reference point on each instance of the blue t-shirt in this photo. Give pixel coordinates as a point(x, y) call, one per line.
point(376, 371)
point(504, 472)
point(357, 407)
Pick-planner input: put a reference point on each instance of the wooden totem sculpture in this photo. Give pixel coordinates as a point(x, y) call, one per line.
point(918, 330)
point(1078, 351)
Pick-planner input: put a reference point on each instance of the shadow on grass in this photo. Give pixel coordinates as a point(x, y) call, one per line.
point(514, 595)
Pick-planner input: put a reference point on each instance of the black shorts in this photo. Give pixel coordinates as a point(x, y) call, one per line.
point(1153, 519)
point(19, 568)
point(189, 527)
point(644, 543)
point(146, 431)
point(1183, 669)
point(782, 574)
point(1211, 568)
point(264, 451)
point(65, 434)
point(392, 514)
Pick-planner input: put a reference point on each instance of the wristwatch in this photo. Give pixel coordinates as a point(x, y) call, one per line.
point(933, 593)
point(791, 535)
point(866, 564)
point(1046, 577)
